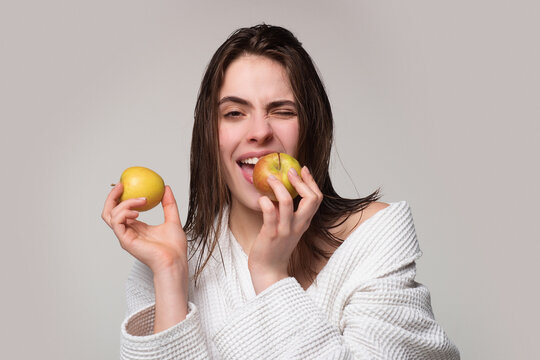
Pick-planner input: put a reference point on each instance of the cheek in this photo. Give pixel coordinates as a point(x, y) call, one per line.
point(224, 139)
point(290, 138)
point(226, 147)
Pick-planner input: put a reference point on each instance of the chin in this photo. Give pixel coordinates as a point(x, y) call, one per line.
point(249, 200)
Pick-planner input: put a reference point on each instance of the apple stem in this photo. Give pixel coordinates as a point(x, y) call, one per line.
point(279, 161)
point(113, 185)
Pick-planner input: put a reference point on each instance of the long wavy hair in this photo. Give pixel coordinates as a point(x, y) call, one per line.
point(209, 196)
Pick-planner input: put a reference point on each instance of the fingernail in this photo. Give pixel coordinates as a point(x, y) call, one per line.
point(272, 177)
point(141, 198)
point(307, 170)
point(293, 172)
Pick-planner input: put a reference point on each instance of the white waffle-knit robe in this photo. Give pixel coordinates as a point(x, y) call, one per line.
point(364, 304)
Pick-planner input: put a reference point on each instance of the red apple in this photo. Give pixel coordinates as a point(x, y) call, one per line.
point(277, 164)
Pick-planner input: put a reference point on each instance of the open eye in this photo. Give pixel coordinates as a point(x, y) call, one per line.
point(233, 114)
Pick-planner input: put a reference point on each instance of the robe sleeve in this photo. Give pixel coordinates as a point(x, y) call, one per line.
point(184, 340)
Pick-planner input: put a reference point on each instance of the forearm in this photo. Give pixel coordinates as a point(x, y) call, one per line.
point(263, 279)
point(171, 294)
point(183, 340)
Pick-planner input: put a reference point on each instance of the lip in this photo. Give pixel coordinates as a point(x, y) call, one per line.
point(257, 154)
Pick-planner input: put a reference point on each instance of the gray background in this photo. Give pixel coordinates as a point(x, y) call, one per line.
point(437, 102)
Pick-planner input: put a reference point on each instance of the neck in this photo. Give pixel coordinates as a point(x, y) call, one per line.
point(245, 224)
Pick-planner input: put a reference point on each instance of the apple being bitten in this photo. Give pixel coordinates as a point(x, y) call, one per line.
point(277, 164)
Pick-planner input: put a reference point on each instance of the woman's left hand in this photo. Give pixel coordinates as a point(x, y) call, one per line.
point(282, 228)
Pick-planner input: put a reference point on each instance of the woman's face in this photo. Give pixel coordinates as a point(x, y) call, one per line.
point(256, 116)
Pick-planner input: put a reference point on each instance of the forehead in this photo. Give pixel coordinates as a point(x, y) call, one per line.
point(256, 77)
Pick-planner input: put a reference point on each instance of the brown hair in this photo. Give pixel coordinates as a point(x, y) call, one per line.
point(209, 195)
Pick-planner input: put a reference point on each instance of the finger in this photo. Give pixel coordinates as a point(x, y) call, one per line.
point(130, 204)
point(111, 201)
point(285, 203)
point(129, 230)
point(119, 221)
point(311, 200)
point(301, 187)
point(270, 216)
point(170, 208)
point(310, 181)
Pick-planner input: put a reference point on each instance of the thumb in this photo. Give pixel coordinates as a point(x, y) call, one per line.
point(170, 209)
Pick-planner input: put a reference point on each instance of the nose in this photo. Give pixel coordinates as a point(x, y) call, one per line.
point(261, 130)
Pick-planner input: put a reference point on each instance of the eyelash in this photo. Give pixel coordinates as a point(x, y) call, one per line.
point(238, 114)
point(230, 114)
point(286, 113)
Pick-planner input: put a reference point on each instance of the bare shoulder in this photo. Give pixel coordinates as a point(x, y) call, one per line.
point(357, 218)
point(372, 209)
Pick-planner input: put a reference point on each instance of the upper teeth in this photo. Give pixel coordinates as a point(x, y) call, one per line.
point(251, 161)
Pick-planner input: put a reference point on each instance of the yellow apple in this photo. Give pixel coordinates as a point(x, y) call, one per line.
point(277, 164)
point(140, 182)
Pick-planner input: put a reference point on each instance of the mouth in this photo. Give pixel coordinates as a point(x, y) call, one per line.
point(247, 161)
point(246, 166)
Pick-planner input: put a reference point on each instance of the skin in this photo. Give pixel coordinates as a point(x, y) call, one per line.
point(256, 114)
point(163, 248)
point(268, 232)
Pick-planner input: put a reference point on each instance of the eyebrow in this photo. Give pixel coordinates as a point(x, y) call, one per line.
point(272, 105)
point(233, 99)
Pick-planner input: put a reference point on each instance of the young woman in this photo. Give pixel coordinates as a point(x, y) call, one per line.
point(317, 277)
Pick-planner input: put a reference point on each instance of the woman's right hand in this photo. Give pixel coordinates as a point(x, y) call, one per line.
point(160, 247)
point(163, 248)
